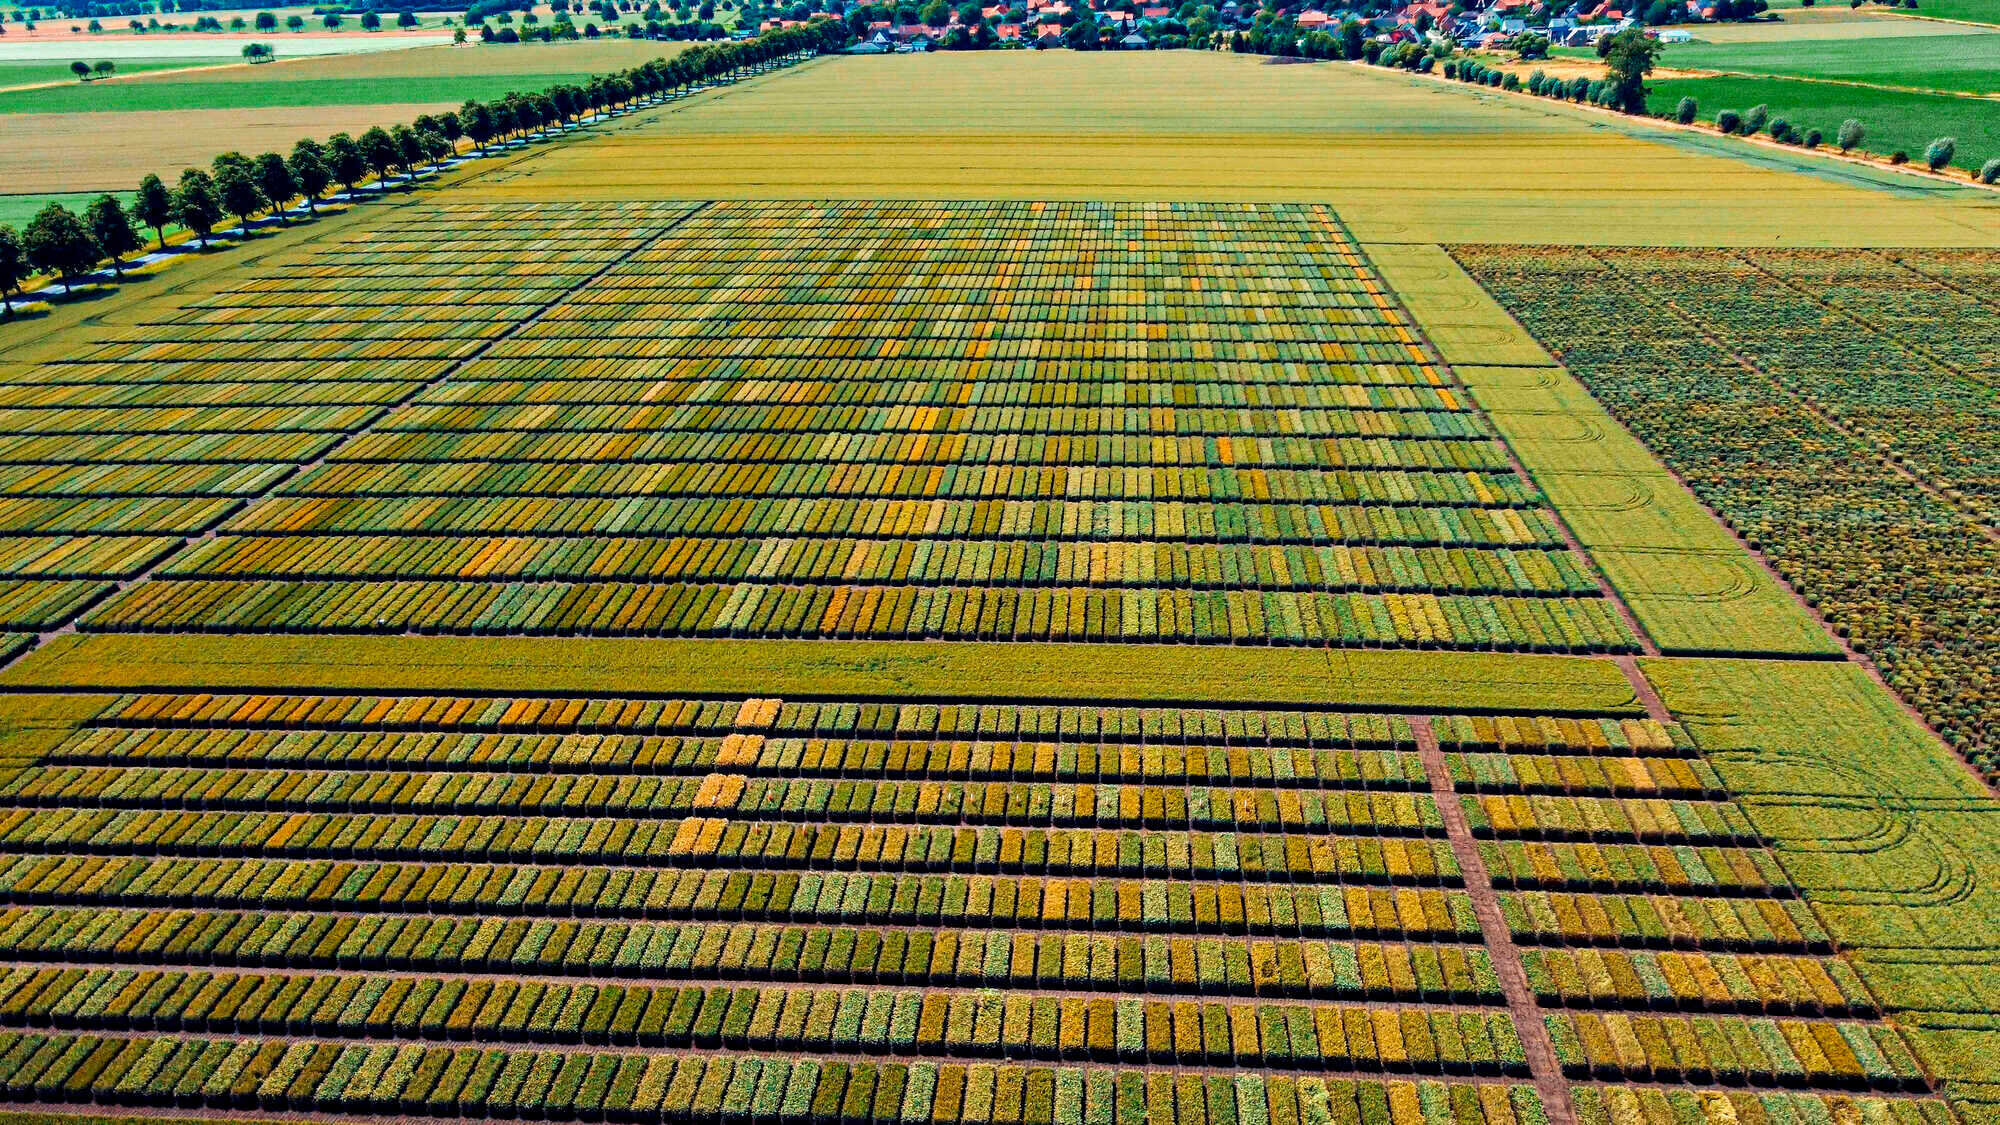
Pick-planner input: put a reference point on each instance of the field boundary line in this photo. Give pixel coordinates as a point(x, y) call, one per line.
point(1647, 645)
point(1549, 1080)
point(643, 242)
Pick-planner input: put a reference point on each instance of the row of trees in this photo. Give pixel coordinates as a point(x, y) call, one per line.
point(64, 245)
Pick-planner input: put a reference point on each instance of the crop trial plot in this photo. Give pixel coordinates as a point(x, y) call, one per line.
point(969, 421)
point(644, 908)
point(1837, 407)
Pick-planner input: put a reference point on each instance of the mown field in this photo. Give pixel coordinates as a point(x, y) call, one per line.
point(661, 629)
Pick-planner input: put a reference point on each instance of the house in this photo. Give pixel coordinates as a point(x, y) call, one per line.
point(915, 46)
point(1048, 40)
point(1133, 42)
point(1159, 13)
point(1676, 35)
point(1513, 26)
point(1008, 32)
point(1312, 19)
point(880, 45)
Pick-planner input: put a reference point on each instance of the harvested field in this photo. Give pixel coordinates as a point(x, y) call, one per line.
point(67, 152)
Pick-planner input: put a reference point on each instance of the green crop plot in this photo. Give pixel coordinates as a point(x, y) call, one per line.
point(1895, 120)
point(1962, 63)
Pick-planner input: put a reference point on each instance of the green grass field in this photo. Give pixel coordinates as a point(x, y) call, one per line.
point(27, 73)
point(279, 92)
point(1894, 120)
point(1971, 11)
point(1968, 63)
point(16, 210)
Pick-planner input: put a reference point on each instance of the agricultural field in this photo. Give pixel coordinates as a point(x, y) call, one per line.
point(659, 628)
point(1896, 120)
point(1959, 63)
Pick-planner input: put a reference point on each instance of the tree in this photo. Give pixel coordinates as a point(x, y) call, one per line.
point(267, 21)
point(1685, 111)
point(81, 69)
point(236, 184)
point(102, 69)
point(275, 178)
point(476, 119)
point(258, 52)
point(112, 229)
point(154, 206)
point(1850, 134)
point(1728, 121)
point(371, 22)
point(1939, 152)
point(381, 153)
point(13, 267)
point(295, 23)
point(196, 206)
point(309, 171)
point(458, 38)
point(57, 242)
point(330, 21)
point(344, 159)
point(1629, 56)
point(1753, 121)
point(1989, 172)
point(406, 18)
point(411, 150)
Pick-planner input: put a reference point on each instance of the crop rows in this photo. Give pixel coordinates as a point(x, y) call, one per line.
point(303, 1075)
point(1835, 407)
point(909, 1023)
point(910, 802)
point(714, 893)
point(1763, 1051)
point(912, 561)
point(1066, 422)
point(118, 452)
point(827, 954)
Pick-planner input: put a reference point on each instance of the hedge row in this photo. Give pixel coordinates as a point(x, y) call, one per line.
point(1107, 905)
point(1761, 1051)
point(1662, 921)
point(747, 609)
point(571, 1085)
point(1233, 521)
point(1105, 805)
point(1675, 776)
point(904, 1023)
point(824, 954)
point(1181, 730)
point(1712, 981)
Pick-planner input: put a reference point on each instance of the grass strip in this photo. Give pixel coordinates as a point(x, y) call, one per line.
point(1693, 589)
point(1415, 680)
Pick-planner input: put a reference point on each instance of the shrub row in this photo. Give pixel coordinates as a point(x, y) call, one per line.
point(1605, 1105)
point(1514, 734)
point(1107, 905)
point(823, 954)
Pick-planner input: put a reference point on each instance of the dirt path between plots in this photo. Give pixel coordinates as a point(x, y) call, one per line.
point(1500, 948)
